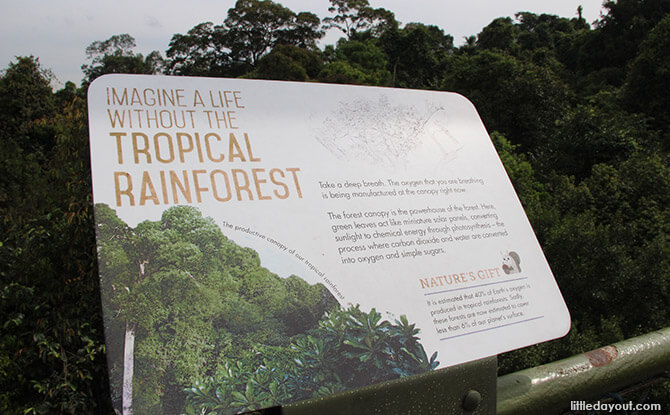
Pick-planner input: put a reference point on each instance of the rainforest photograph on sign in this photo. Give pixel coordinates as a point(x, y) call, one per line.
point(196, 325)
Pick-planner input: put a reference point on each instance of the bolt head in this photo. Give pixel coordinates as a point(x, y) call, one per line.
point(472, 400)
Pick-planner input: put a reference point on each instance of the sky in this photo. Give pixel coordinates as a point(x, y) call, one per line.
point(57, 32)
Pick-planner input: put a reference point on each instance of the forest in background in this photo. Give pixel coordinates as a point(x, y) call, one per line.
point(578, 114)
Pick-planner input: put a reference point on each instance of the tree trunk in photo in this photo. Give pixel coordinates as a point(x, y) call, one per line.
point(128, 363)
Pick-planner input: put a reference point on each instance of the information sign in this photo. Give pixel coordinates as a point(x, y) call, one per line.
point(241, 218)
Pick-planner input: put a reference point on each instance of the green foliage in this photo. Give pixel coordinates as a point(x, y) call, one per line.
point(621, 220)
point(341, 72)
point(417, 55)
point(547, 31)
point(357, 62)
point(115, 55)
point(373, 350)
point(587, 135)
point(193, 299)
point(649, 76)
point(349, 348)
point(288, 63)
point(515, 97)
point(26, 102)
point(253, 27)
point(620, 32)
point(356, 17)
point(531, 33)
point(521, 172)
point(200, 52)
point(500, 34)
point(236, 47)
point(51, 347)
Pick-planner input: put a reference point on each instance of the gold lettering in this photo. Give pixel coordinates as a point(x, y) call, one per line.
point(209, 148)
point(196, 184)
point(237, 97)
point(147, 185)
point(251, 154)
point(135, 97)
point(137, 150)
point(119, 152)
point(184, 186)
point(294, 171)
point(215, 189)
point(170, 159)
point(164, 187)
point(241, 186)
point(150, 101)
point(197, 99)
point(128, 191)
point(279, 183)
point(258, 182)
point(182, 148)
point(119, 100)
point(234, 150)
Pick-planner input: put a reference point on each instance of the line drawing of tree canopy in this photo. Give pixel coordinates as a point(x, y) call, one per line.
point(381, 133)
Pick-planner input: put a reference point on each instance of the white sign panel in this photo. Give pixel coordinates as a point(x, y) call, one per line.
point(394, 200)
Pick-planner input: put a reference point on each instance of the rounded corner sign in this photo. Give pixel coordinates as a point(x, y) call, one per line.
point(215, 195)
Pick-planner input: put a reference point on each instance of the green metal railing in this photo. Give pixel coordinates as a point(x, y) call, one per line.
point(464, 389)
point(550, 388)
point(473, 388)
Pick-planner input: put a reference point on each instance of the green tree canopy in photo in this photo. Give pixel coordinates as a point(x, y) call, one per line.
point(186, 299)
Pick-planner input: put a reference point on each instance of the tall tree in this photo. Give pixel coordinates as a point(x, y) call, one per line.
point(116, 55)
point(417, 55)
point(648, 81)
point(587, 135)
point(159, 280)
point(253, 27)
point(51, 345)
point(604, 53)
point(355, 16)
point(182, 298)
point(520, 99)
point(357, 62)
point(25, 99)
point(250, 31)
point(26, 134)
point(289, 63)
point(200, 52)
point(500, 34)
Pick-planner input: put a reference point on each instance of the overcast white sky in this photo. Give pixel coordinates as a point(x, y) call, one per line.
point(57, 32)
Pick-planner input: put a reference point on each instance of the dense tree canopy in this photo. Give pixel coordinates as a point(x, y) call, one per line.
point(353, 17)
point(115, 55)
point(193, 300)
point(251, 30)
point(579, 116)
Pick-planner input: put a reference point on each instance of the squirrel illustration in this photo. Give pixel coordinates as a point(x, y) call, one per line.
point(511, 262)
